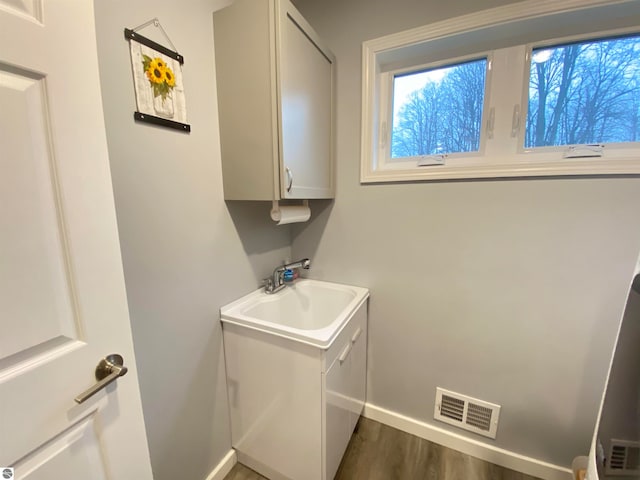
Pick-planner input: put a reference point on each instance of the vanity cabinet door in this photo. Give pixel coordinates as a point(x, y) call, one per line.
point(306, 89)
point(337, 410)
point(344, 388)
point(358, 369)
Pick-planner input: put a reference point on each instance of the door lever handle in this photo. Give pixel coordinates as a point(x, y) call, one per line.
point(109, 369)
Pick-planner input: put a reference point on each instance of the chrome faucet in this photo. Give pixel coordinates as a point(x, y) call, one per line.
point(276, 282)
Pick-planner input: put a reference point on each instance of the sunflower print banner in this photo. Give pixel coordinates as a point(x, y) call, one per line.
point(158, 83)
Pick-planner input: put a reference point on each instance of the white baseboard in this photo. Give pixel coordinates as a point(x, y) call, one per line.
point(469, 446)
point(224, 467)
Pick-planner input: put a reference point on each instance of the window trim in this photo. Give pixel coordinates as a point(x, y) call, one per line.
point(507, 157)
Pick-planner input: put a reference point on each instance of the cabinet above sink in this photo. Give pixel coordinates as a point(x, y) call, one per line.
point(275, 83)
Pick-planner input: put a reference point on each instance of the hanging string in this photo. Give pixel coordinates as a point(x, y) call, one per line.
point(156, 23)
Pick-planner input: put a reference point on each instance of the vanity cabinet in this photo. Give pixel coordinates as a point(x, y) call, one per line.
point(275, 84)
point(293, 405)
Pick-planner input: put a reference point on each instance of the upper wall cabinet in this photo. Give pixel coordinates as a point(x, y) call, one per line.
point(275, 82)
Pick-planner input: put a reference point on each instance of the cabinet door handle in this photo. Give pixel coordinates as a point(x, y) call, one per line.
point(345, 353)
point(289, 179)
point(356, 335)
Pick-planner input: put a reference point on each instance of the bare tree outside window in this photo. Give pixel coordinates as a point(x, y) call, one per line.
point(584, 93)
point(442, 116)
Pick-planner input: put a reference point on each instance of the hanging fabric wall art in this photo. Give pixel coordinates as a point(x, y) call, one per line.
point(157, 79)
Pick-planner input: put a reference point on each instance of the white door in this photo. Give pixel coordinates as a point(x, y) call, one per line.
point(62, 298)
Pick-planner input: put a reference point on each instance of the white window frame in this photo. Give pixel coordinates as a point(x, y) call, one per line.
point(502, 152)
point(386, 113)
point(550, 153)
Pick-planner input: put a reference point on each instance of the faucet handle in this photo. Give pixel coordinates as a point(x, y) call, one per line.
point(267, 283)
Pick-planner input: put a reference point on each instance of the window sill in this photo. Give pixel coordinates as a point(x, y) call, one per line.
point(574, 167)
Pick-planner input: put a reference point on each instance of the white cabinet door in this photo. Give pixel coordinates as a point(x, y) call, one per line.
point(344, 390)
point(306, 96)
point(62, 299)
point(338, 411)
point(358, 383)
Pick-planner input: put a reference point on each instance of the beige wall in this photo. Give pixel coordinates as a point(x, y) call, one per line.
point(508, 290)
point(185, 252)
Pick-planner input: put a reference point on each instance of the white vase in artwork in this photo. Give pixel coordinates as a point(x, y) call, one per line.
point(163, 107)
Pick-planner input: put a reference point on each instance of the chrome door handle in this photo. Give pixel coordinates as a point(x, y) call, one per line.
point(109, 368)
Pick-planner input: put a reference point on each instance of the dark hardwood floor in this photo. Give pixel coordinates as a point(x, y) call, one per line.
point(380, 452)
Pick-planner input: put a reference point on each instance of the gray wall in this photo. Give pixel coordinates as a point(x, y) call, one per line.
point(185, 252)
point(509, 291)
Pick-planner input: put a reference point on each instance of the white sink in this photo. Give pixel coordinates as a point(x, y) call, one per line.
point(308, 311)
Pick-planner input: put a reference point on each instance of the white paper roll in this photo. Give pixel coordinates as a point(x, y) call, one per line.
point(290, 214)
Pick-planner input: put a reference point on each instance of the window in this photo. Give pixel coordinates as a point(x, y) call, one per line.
point(487, 95)
point(438, 111)
point(584, 93)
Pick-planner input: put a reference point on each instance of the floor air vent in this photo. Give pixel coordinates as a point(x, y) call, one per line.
point(624, 458)
point(468, 413)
